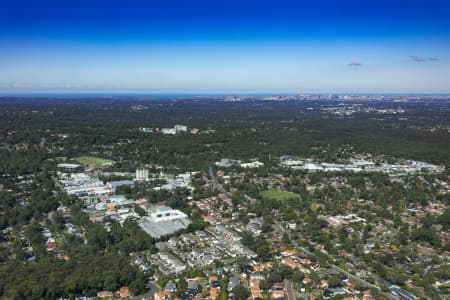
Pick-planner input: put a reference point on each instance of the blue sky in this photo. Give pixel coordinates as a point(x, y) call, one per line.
point(225, 46)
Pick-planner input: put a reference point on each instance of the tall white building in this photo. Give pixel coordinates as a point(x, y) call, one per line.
point(180, 128)
point(141, 174)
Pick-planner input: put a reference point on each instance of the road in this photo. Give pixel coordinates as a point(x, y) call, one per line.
point(290, 292)
point(216, 183)
point(362, 281)
point(153, 288)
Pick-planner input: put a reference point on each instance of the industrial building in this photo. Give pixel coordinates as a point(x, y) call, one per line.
point(164, 221)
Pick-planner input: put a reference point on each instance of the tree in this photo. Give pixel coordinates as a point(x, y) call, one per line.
point(140, 211)
point(223, 288)
point(137, 286)
point(241, 292)
point(334, 281)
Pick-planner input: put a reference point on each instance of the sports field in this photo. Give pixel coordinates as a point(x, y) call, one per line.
point(92, 161)
point(279, 195)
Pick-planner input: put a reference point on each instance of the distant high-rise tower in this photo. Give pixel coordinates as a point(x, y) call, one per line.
point(141, 174)
point(332, 96)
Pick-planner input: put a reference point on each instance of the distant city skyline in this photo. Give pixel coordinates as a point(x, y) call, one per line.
point(225, 46)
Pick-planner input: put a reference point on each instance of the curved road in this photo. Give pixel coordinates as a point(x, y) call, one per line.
point(280, 228)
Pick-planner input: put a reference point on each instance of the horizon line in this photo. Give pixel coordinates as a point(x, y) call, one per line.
point(218, 93)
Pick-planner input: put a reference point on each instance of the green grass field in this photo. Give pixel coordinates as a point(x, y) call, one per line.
point(92, 161)
point(279, 195)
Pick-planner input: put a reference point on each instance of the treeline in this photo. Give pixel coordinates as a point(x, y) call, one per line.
point(82, 274)
point(243, 130)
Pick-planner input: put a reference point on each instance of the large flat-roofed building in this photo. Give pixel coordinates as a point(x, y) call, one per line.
point(226, 162)
point(82, 184)
point(180, 128)
point(69, 166)
point(115, 184)
point(164, 221)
